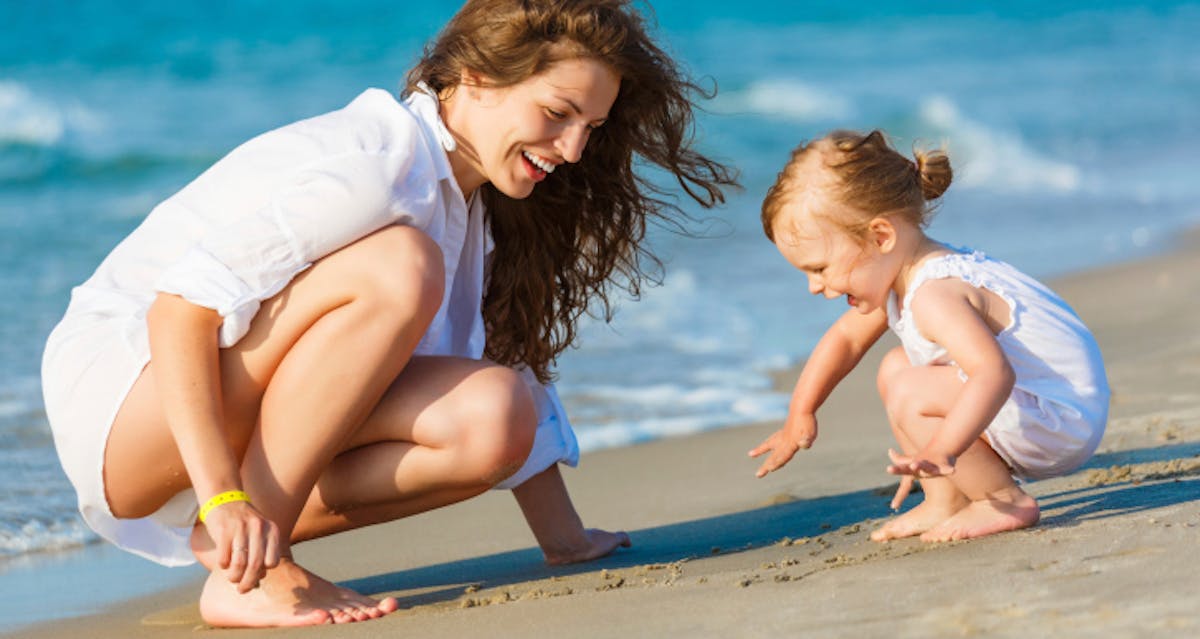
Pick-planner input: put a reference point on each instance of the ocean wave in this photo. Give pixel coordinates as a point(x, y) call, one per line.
point(31, 120)
point(43, 536)
point(746, 409)
point(994, 159)
point(26, 165)
point(785, 98)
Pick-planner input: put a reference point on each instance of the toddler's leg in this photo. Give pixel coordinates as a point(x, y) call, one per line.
point(997, 503)
point(942, 498)
point(980, 498)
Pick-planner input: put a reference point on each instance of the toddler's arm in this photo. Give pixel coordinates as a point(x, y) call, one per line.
point(838, 352)
point(949, 314)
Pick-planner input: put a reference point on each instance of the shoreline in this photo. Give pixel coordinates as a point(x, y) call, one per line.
point(718, 553)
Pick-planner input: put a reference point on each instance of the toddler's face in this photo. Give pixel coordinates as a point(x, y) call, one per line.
point(836, 263)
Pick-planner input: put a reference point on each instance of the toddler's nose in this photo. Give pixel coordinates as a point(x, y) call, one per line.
point(814, 286)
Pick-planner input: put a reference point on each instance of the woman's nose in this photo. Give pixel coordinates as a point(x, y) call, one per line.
point(571, 141)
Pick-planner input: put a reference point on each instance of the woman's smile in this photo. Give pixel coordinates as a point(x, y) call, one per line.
point(536, 166)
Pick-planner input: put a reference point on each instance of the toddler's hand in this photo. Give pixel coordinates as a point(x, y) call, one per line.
point(798, 432)
point(923, 464)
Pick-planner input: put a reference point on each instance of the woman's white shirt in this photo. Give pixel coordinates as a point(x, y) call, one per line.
point(236, 236)
point(243, 229)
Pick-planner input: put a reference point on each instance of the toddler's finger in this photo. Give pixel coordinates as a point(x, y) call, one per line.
point(766, 446)
point(906, 483)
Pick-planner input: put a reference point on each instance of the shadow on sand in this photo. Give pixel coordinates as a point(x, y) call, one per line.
point(767, 525)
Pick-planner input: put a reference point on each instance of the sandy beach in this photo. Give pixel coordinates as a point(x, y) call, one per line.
point(718, 553)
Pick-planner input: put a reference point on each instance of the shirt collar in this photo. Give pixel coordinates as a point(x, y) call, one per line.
point(425, 102)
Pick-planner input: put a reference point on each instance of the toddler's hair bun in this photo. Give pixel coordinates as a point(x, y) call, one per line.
point(933, 173)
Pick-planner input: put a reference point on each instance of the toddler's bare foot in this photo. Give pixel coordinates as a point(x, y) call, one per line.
point(986, 517)
point(923, 517)
point(287, 596)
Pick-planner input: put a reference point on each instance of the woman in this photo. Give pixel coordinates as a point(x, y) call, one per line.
point(294, 344)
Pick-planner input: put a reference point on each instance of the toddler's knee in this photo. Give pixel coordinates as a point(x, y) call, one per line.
point(905, 399)
point(893, 363)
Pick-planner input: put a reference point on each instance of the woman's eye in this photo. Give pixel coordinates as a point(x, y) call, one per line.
point(555, 115)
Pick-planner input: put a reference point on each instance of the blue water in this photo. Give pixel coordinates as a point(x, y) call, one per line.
point(1072, 125)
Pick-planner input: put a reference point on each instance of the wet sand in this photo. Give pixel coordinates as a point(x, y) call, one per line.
point(718, 553)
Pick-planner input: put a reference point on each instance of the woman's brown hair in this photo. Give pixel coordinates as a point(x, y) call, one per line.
point(868, 176)
point(561, 252)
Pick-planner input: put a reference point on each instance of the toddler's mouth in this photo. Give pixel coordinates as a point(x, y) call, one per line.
point(853, 301)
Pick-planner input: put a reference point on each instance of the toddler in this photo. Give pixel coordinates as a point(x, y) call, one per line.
point(996, 375)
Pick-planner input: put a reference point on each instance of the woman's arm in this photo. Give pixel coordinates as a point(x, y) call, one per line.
point(838, 352)
point(186, 369)
point(558, 529)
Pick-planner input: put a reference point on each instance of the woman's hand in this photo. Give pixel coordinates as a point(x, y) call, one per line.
point(800, 431)
point(247, 543)
point(556, 525)
point(594, 544)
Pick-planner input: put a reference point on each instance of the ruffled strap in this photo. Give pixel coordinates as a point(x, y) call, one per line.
point(963, 264)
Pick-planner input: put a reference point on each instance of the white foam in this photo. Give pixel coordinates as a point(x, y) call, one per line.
point(39, 536)
point(786, 98)
point(710, 409)
point(26, 118)
point(993, 159)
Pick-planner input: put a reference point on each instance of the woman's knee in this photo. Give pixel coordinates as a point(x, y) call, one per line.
point(398, 268)
point(497, 425)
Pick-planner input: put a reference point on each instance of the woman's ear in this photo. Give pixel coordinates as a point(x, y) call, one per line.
point(882, 233)
point(471, 81)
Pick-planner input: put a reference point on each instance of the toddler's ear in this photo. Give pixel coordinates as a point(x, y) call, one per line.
point(882, 233)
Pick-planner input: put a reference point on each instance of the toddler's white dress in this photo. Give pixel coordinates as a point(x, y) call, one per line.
point(1056, 415)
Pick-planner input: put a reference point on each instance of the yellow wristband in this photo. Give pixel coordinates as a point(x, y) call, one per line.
point(221, 499)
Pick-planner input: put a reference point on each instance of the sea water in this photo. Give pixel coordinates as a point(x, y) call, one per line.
point(1072, 126)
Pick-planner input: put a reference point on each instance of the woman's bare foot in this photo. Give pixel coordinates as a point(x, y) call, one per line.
point(986, 517)
point(925, 516)
point(288, 595)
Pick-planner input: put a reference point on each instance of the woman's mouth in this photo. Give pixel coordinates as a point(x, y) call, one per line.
point(536, 166)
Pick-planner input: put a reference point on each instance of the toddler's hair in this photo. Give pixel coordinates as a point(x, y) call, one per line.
point(864, 174)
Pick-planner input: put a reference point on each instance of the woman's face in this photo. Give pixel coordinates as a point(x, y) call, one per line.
point(515, 136)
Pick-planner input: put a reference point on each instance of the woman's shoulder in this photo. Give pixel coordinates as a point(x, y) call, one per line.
point(373, 122)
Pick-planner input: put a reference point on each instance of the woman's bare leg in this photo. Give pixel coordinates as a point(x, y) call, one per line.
point(448, 429)
point(318, 358)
